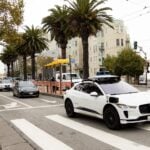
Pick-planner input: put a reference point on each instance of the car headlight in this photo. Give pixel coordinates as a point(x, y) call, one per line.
point(123, 106)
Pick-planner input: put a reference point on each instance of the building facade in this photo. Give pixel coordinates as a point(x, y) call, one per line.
point(108, 41)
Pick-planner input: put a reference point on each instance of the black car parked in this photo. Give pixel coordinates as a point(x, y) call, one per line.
point(25, 89)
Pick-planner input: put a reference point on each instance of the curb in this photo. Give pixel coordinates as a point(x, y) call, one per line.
point(52, 95)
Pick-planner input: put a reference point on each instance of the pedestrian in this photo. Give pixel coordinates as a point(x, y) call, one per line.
point(53, 85)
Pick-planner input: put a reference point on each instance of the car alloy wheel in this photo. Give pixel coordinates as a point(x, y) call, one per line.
point(111, 118)
point(69, 108)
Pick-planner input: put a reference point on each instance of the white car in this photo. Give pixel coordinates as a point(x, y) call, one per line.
point(66, 77)
point(109, 98)
point(6, 85)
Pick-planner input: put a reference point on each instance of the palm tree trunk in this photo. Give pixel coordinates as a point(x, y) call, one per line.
point(12, 69)
point(85, 57)
point(25, 67)
point(33, 65)
point(8, 70)
point(63, 55)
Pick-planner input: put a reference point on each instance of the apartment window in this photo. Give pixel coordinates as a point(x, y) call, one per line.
point(76, 43)
point(121, 29)
point(102, 45)
point(122, 42)
point(94, 48)
point(91, 59)
point(102, 33)
point(97, 34)
point(95, 70)
point(117, 42)
point(117, 29)
point(76, 52)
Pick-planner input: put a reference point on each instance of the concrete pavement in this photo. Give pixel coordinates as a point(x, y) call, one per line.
point(10, 139)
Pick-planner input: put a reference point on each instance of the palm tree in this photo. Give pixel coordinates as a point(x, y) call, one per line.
point(87, 18)
point(34, 42)
point(57, 24)
point(5, 59)
point(8, 57)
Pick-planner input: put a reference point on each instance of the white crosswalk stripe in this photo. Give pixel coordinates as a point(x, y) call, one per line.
point(113, 140)
point(49, 142)
point(40, 137)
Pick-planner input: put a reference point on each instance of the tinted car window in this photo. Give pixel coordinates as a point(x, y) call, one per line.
point(91, 87)
point(73, 76)
point(88, 88)
point(79, 87)
point(26, 84)
point(6, 81)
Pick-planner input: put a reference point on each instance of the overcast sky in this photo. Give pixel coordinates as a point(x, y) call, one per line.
point(134, 13)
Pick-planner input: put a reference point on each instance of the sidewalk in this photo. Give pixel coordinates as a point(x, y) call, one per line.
point(10, 139)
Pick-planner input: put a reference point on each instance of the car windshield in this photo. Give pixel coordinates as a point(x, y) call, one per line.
point(5, 81)
point(119, 87)
point(74, 76)
point(26, 84)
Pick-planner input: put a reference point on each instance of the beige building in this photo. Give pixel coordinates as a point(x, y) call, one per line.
point(107, 42)
point(75, 52)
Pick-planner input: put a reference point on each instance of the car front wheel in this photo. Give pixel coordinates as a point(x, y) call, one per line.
point(69, 108)
point(111, 118)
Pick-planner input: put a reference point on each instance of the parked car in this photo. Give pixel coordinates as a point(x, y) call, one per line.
point(25, 89)
point(109, 98)
point(66, 77)
point(6, 84)
point(145, 77)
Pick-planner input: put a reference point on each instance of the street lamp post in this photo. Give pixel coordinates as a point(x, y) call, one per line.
point(145, 56)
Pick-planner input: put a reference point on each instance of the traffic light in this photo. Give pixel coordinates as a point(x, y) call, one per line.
point(135, 44)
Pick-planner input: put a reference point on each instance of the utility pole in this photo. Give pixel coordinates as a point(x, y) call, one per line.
point(70, 69)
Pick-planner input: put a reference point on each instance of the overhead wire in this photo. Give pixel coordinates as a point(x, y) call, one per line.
point(138, 4)
point(138, 13)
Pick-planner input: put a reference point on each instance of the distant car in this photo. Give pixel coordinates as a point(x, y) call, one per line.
point(108, 98)
point(6, 85)
point(145, 77)
point(25, 89)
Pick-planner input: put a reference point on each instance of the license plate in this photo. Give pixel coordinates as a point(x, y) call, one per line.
point(148, 118)
point(31, 93)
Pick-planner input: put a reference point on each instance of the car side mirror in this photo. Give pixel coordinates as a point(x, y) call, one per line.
point(94, 94)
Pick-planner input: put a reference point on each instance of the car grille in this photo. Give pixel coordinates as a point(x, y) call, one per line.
point(144, 108)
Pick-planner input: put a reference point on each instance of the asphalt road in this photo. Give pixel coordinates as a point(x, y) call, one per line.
point(43, 123)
